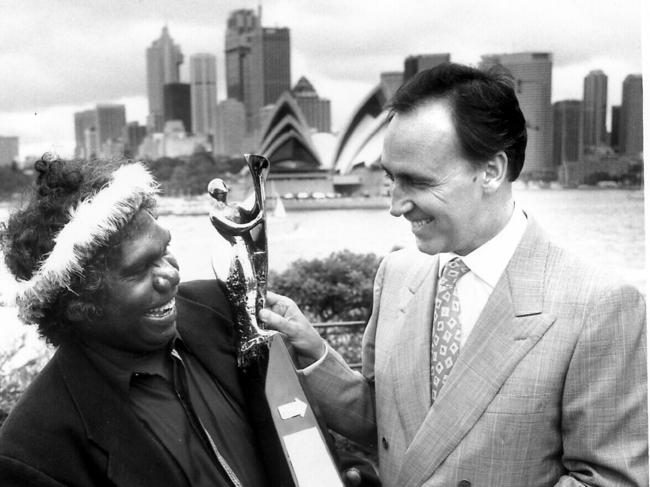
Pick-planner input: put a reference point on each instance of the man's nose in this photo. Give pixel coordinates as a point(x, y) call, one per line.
point(166, 275)
point(399, 203)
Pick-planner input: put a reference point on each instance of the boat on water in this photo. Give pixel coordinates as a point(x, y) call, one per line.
point(279, 211)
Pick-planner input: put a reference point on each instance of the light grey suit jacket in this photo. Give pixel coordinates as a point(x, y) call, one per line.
point(549, 389)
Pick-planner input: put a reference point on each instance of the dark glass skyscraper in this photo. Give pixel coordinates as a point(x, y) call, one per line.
point(177, 104)
point(241, 26)
point(258, 63)
point(567, 131)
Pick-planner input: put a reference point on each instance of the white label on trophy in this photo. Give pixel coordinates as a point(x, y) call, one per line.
point(292, 409)
point(306, 450)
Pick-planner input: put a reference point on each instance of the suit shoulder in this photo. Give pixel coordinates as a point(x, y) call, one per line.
point(41, 416)
point(571, 274)
point(209, 293)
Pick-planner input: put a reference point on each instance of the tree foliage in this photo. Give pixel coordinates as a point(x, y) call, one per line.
point(336, 288)
point(12, 181)
point(190, 175)
point(15, 379)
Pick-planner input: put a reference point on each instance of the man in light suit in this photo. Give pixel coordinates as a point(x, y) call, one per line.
point(544, 381)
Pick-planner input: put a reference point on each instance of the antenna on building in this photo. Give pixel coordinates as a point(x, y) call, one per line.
point(259, 11)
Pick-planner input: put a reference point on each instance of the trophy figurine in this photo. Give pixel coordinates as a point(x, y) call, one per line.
point(263, 352)
point(245, 230)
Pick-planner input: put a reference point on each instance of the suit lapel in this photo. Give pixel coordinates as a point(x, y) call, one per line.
point(213, 344)
point(411, 357)
point(509, 326)
point(134, 457)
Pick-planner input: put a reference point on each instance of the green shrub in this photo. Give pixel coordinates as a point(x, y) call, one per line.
point(336, 288)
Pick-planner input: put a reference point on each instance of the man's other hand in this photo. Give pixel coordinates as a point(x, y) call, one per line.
point(283, 315)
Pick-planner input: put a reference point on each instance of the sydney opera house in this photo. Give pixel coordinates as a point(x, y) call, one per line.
point(316, 163)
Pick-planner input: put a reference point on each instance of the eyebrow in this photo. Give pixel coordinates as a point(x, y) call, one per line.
point(148, 254)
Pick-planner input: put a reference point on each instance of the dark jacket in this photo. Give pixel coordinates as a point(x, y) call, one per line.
point(72, 428)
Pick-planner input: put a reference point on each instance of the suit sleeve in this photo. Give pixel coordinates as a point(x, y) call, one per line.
point(347, 398)
point(604, 417)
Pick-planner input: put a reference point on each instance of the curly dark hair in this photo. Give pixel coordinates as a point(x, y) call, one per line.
point(28, 237)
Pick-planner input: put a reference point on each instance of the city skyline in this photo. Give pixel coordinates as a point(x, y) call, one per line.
point(340, 50)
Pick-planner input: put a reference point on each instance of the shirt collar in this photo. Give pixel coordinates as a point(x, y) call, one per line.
point(490, 260)
point(120, 367)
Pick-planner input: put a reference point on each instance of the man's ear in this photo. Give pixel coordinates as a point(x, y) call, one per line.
point(495, 172)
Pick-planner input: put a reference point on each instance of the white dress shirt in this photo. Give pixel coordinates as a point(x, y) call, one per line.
point(486, 264)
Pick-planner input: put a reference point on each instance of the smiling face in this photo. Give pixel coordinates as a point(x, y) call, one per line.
point(140, 286)
point(434, 186)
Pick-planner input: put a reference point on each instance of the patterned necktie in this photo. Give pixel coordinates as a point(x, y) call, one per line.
point(446, 332)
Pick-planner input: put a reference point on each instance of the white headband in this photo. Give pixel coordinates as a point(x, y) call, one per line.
point(92, 223)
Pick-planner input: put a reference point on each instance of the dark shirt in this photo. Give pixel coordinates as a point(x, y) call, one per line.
point(179, 402)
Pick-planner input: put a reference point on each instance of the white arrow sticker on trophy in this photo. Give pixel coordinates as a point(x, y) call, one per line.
point(292, 409)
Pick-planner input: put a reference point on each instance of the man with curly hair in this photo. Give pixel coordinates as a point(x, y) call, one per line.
point(143, 389)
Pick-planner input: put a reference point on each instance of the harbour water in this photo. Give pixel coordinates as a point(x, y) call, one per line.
point(602, 226)
point(605, 227)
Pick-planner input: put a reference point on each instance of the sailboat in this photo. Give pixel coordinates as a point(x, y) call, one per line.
point(278, 210)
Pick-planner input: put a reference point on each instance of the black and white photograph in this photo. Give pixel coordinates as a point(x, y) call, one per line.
point(323, 244)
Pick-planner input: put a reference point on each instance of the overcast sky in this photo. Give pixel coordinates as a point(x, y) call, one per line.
point(61, 56)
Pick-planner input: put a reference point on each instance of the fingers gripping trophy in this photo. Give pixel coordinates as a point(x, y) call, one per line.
point(263, 351)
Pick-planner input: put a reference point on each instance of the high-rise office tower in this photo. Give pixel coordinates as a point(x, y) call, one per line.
point(276, 62)
point(83, 121)
point(203, 92)
point(532, 77)
point(91, 143)
point(567, 131)
point(8, 150)
point(105, 123)
point(230, 127)
point(258, 63)
point(134, 134)
point(177, 104)
point(315, 109)
point(163, 61)
point(239, 32)
point(631, 133)
point(111, 120)
point(595, 109)
point(420, 62)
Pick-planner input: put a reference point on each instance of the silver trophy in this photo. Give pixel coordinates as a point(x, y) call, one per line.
point(263, 352)
point(245, 230)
